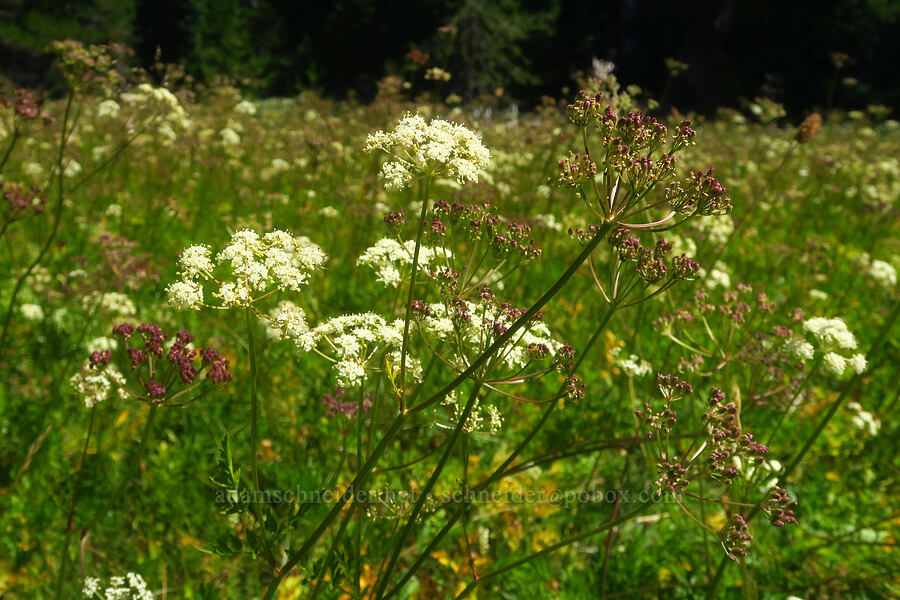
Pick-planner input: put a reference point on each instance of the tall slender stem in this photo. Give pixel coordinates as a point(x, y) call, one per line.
point(70, 515)
point(424, 186)
point(254, 437)
point(503, 469)
point(462, 418)
point(254, 400)
point(57, 217)
point(12, 143)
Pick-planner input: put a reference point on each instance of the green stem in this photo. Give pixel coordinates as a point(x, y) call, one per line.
point(423, 494)
point(360, 510)
point(9, 149)
point(254, 400)
point(70, 516)
point(520, 322)
point(502, 470)
point(57, 217)
point(424, 187)
point(254, 437)
point(357, 483)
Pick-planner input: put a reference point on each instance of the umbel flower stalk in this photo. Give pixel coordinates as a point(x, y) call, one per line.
point(616, 189)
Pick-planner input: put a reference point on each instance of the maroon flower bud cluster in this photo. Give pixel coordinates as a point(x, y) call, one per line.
point(663, 420)
point(726, 441)
point(335, 405)
point(125, 330)
point(537, 351)
point(158, 374)
point(685, 267)
point(650, 264)
point(632, 134)
point(584, 236)
point(100, 358)
point(673, 387)
point(154, 389)
point(216, 365)
point(574, 170)
point(435, 229)
point(585, 109)
point(574, 388)
point(672, 478)
point(22, 201)
point(683, 136)
point(698, 194)
point(780, 507)
point(477, 222)
point(395, 219)
point(565, 358)
point(657, 422)
point(180, 356)
point(91, 66)
point(153, 337)
point(736, 538)
point(27, 105)
point(420, 309)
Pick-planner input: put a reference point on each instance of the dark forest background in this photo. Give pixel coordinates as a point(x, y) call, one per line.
point(782, 49)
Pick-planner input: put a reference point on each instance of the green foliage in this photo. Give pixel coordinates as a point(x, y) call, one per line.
point(809, 221)
point(231, 38)
point(489, 51)
point(32, 24)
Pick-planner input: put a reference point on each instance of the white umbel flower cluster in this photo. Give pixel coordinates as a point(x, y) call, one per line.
point(130, 587)
point(863, 419)
point(883, 273)
point(482, 419)
point(355, 342)
point(388, 257)
point(161, 103)
point(113, 302)
point(831, 334)
point(634, 366)
point(478, 330)
point(94, 386)
point(257, 265)
point(834, 340)
point(245, 107)
point(437, 148)
point(108, 109)
point(288, 322)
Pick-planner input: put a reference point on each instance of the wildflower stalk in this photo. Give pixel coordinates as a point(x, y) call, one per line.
point(424, 186)
point(800, 388)
point(57, 217)
point(12, 143)
point(360, 510)
point(254, 435)
point(462, 418)
point(502, 470)
point(254, 400)
point(358, 482)
point(70, 515)
point(713, 587)
point(366, 470)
